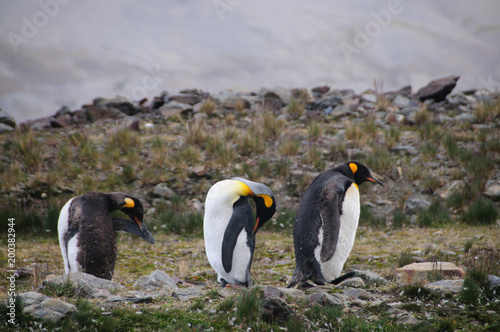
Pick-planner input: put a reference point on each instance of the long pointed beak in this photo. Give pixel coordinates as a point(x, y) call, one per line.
point(372, 179)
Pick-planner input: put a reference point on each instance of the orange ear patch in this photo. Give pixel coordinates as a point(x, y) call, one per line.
point(129, 203)
point(268, 201)
point(353, 167)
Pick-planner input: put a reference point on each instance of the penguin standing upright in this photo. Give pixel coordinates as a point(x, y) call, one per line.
point(229, 227)
point(326, 223)
point(87, 231)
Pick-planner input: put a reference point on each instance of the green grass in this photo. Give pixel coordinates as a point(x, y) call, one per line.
point(434, 216)
point(27, 222)
point(66, 289)
point(283, 221)
point(405, 258)
point(368, 218)
point(429, 150)
point(248, 304)
point(399, 218)
point(295, 108)
point(181, 223)
point(481, 212)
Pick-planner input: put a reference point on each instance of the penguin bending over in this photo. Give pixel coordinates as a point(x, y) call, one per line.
point(326, 222)
point(229, 227)
point(87, 231)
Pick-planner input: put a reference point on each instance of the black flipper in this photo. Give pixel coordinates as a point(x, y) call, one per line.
point(242, 212)
point(128, 226)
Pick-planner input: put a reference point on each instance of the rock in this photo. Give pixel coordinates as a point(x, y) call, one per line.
point(275, 309)
point(86, 284)
point(401, 101)
point(353, 282)
point(339, 110)
point(273, 292)
point(320, 90)
point(7, 119)
point(98, 113)
point(356, 293)
point(158, 280)
point(5, 128)
point(119, 103)
point(446, 286)
point(200, 172)
point(275, 96)
point(450, 188)
point(369, 97)
point(416, 203)
point(326, 299)
point(235, 101)
point(493, 190)
point(409, 114)
point(324, 103)
point(185, 294)
point(162, 190)
point(420, 272)
point(437, 89)
point(32, 298)
point(132, 298)
point(158, 101)
point(405, 150)
point(45, 308)
point(293, 292)
point(465, 118)
point(64, 110)
point(61, 121)
point(130, 122)
point(174, 105)
point(189, 99)
point(494, 281)
point(405, 318)
point(394, 118)
point(198, 92)
point(370, 277)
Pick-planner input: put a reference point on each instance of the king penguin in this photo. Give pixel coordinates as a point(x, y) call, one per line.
point(87, 231)
point(326, 222)
point(229, 227)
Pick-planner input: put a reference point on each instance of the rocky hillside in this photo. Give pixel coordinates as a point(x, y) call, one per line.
point(424, 146)
point(436, 151)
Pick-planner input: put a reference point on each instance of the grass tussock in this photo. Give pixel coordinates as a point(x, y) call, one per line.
point(296, 108)
point(434, 216)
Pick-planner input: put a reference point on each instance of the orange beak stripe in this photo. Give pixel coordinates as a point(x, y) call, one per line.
point(138, 222)
point(256, 225)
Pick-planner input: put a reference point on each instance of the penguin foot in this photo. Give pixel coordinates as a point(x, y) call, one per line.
point(343, 277)
point(223, 282)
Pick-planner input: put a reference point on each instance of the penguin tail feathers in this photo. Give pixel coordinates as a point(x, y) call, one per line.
point(343, 277)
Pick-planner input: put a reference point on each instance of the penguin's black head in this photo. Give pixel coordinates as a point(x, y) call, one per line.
point(360, 173)
point(133, 208)
point(264, 200)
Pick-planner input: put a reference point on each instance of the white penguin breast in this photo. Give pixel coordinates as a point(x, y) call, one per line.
point(62, 229)
point(218, 212)
point(347, 233)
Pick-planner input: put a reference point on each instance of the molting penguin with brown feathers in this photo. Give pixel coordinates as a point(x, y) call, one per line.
point(87, 231)
point(326, 223)
point(229, 227)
